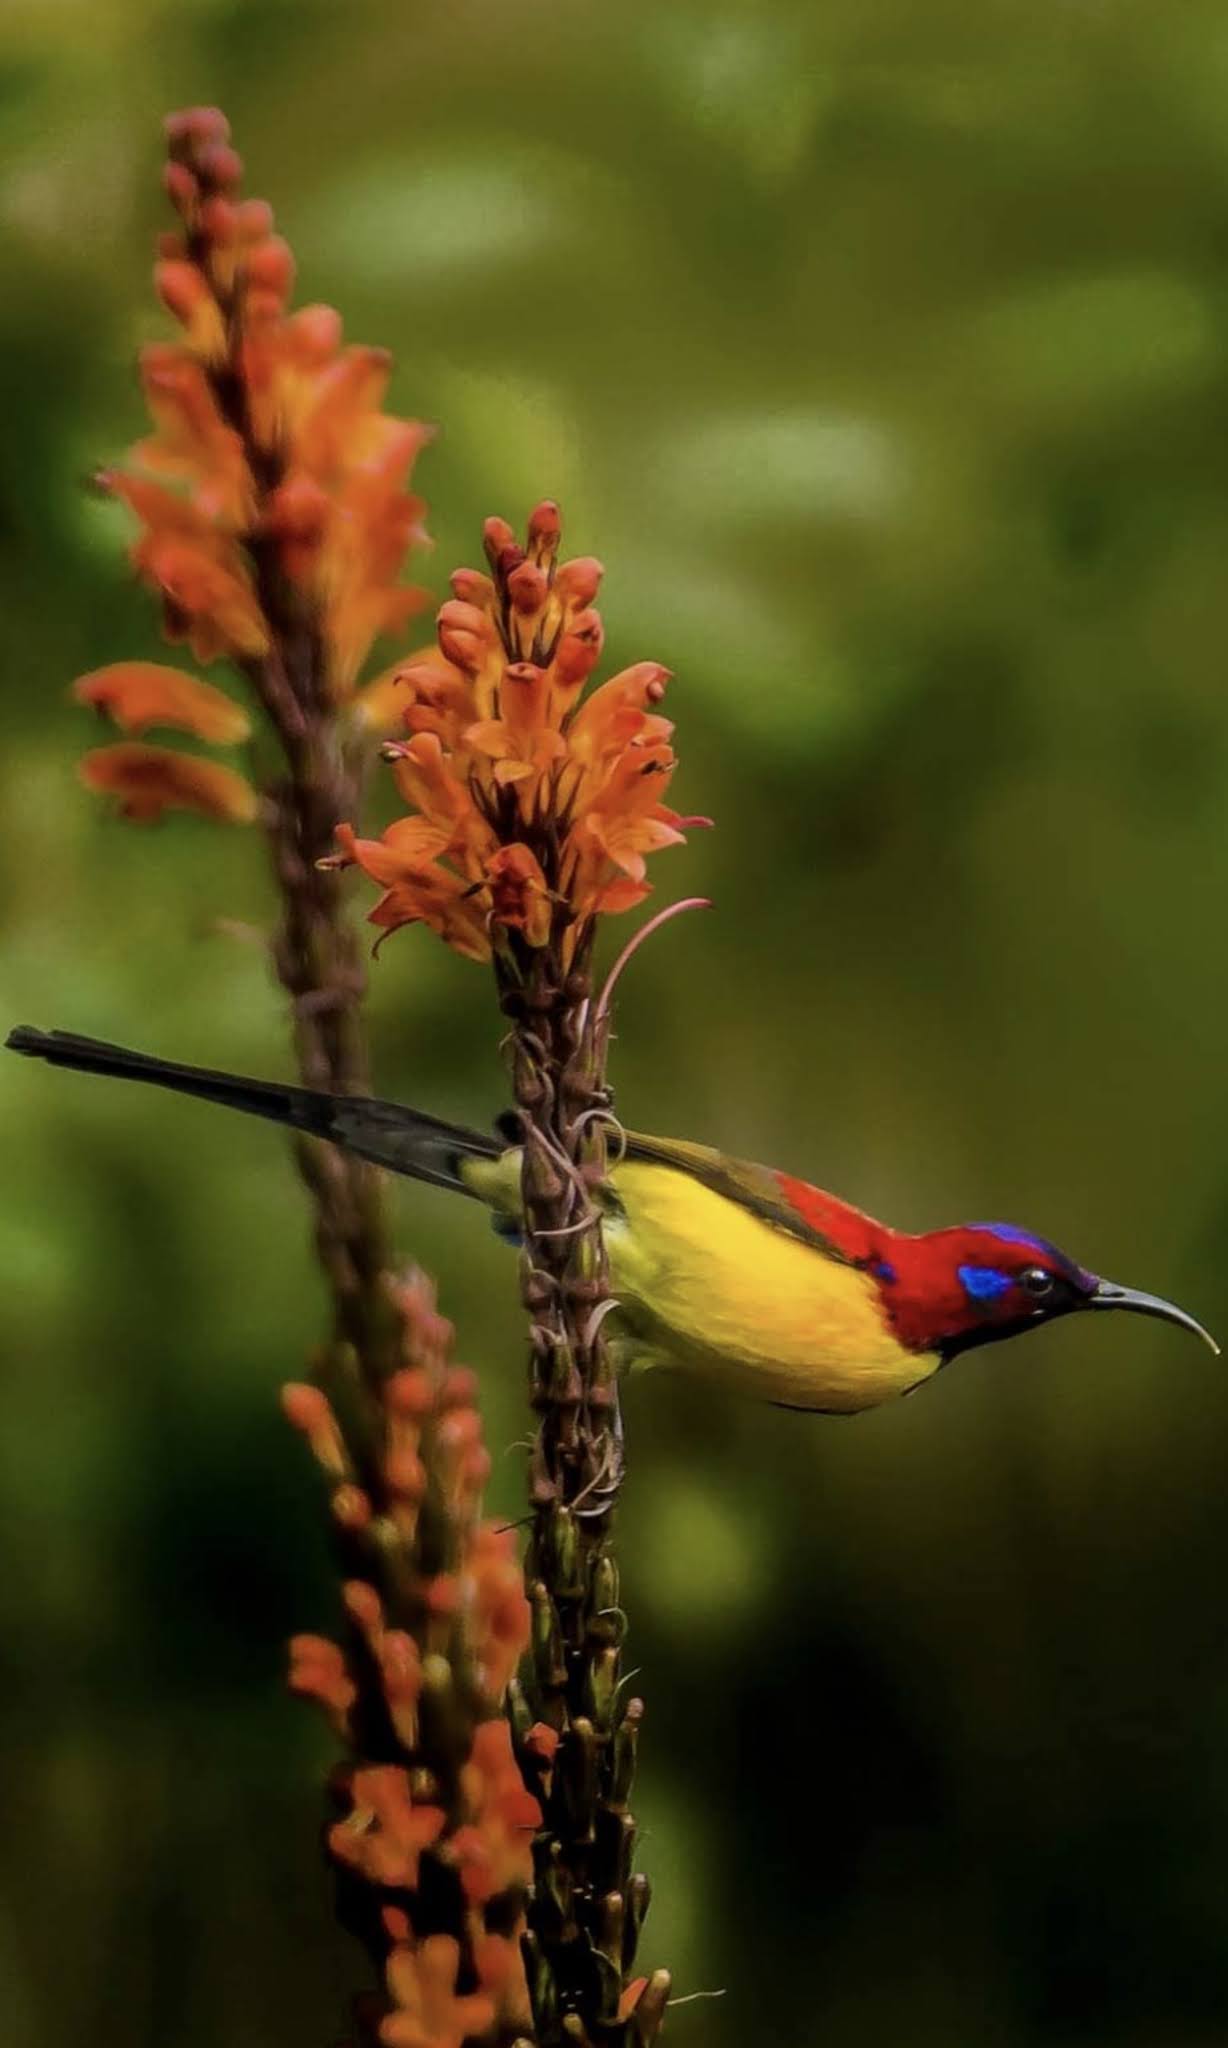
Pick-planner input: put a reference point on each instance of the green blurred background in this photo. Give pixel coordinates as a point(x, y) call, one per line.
point(880, 351)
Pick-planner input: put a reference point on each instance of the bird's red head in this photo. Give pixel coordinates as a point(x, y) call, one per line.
point(950, 1289)
point(978, 1282)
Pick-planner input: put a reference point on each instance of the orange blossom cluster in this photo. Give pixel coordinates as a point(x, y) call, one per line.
point(432, 1650)
point(270, 495)
point(533, 805)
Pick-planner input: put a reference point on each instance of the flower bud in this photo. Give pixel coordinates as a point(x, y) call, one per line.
point(471, 587)
point(404, 1474)
point(545, 527)
point(527, 587)
point(579, 650)
point(497, 537)
point(463, 635)
point(315, 332)
point(460, 1387)
point(220, 166)
point(254, 219)
point(638, 1897)
point(408, 1392)
point(219, 220)
point(307, 1409)
point(181, 189)
point(578, 581)
point(270, 265)
point(547, 1643)
point(195, 127)
point(364, 1607)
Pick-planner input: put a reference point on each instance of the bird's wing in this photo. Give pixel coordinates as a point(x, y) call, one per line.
point(756, 1188)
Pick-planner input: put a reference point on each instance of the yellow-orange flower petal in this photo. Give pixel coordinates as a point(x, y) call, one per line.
point(417, 890)
point(150, 780)
point(198, 567)
point(618, 712)
point(426, 779)
point(138, 694)
point(192, 439)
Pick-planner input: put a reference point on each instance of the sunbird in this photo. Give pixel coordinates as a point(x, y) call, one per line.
point(736, 1271)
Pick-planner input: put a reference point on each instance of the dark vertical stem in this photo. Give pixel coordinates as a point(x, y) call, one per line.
point(588, 1902)
point(315, 952)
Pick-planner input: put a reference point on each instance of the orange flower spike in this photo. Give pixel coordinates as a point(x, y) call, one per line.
point(147, 781)
point(137, 694)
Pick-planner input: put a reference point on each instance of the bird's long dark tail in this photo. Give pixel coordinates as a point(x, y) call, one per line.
point(404, 1140)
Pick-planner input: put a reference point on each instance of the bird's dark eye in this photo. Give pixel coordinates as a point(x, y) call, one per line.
point(1036, 1282)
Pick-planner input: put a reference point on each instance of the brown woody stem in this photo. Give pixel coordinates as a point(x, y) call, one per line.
point(588, 1903)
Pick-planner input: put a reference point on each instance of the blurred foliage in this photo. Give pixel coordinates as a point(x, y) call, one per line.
point(879, 350)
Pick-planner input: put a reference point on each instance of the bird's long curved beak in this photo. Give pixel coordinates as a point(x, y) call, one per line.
point(1109, 1295)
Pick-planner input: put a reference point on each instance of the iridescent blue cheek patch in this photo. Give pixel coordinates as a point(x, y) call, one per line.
point(983, 1283)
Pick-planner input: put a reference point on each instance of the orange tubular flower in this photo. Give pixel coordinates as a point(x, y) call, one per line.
point(137, 694)
point(438, 1622)
point(551, 802)
point(429, 2013)
point(271, 495)
point(150, 780)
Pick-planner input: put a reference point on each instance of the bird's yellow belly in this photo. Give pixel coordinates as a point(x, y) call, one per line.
point(709, 1286)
